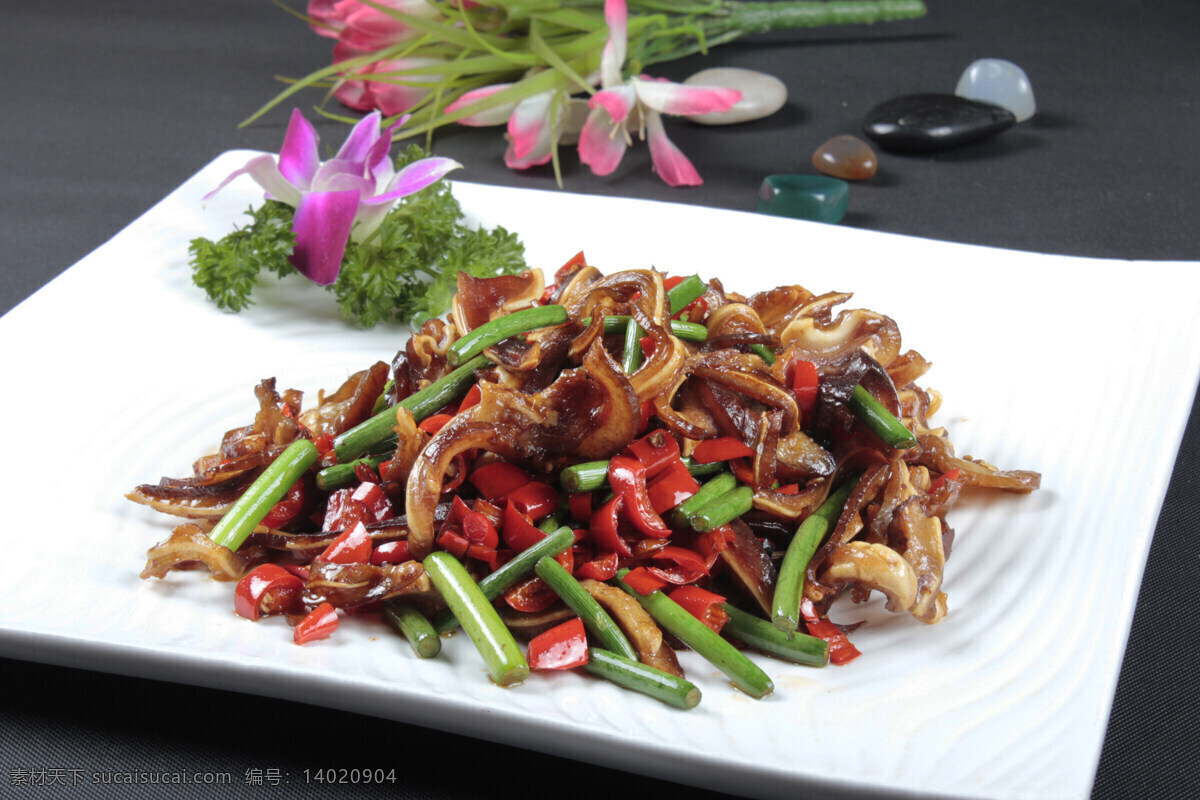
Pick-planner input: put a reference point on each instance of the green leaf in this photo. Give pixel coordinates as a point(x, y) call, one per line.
point(227, 270)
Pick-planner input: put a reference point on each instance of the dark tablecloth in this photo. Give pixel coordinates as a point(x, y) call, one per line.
point(109, 106)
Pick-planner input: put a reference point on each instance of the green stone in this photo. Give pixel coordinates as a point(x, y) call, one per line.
point(812, 197)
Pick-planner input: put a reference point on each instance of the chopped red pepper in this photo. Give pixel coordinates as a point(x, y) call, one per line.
point(790, 488)
point(434, 423)
point(352, 547)
point(841, 651)
point(491, 556)
point(391, 553)
point(805, 383)
point(268, 589)
point(601, 568)
point(495, 480)
point(286, 509)
point(579, 505)
point(537, 499)
point(518, 532)
point(530, 595)
point(643, 581)
point(562, 647)
point(324, 444)
point(374, 499)
point(672, 282)
point(678, 565)
point(453, 542)
point(627, 477)
point(948, 475)
point(703, 605)
point(478, 529)
point(366, 473)
point(672, 487)
point(471, 398)
point(658, 451)
point(605, 528)
point(647, 345)
point(320, 623)
point(342, 512)
point(723, 448)
point(710, 544)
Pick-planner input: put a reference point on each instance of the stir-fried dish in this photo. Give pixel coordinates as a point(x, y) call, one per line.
point(609, 468)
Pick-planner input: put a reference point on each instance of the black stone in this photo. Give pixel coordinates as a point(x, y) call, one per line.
point(925, 123)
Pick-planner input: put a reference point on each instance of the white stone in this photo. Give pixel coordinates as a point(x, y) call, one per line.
point(762, 94)
point(1000, 82)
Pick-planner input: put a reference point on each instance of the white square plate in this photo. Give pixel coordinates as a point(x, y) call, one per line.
point(121, 371)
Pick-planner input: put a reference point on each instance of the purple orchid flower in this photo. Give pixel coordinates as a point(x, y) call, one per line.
point(343, 198)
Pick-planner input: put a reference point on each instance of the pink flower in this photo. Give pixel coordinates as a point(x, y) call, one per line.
point(379, 87)
point(639, 102)
point(347, 196)
point(364, 28)
point(536, 124)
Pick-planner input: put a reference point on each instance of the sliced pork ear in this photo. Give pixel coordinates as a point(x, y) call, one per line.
point(189, 545)
point(643, 632)
point(589, 413)
point(349, 585)
point(350, 404)
point(481, 300)
point(193, 499)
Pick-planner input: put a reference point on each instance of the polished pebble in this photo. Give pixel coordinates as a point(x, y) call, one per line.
point(811, 197)
point(762, 94)
point(846, 157)
point(925, 123)
point(1000, 82)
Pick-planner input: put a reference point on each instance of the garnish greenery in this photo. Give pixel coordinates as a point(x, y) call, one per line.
point(407, 270)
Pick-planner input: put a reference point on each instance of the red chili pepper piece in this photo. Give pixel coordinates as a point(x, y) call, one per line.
point(324, 444)
point(647, 345)
point(342, 512)
point(518, 532)
point(471, 398)
point(453, 542)
point(710, 544)
point(790, 488)
point(647, 415)
point(693, 311)
point(841, 651)
point(658, 452)
point(478, 529)
point(643, 581)
point(286, 509)
point(495, 480)
point(601, 568)
point(320, 623)
point(374, 499)
point(488, 555)
point(562, 647)
point(530, 595)
point(268, 589)
point(672, 487)
point(537, 499)
point(678, 565)
point(391, 553)
point(352, 547)
point(944, 478)
point(579, 505)
point(366, 473)
point(434, 423)
point(703, 605)
point(627, 477)
point(605, 528)
point(723, 448)
point(298, 570)
point(805, 383)
point(672, 282)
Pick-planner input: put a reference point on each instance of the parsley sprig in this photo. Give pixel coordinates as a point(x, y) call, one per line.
point(406, 270)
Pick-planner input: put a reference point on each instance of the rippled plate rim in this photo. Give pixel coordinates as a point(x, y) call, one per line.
point(52, 635)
